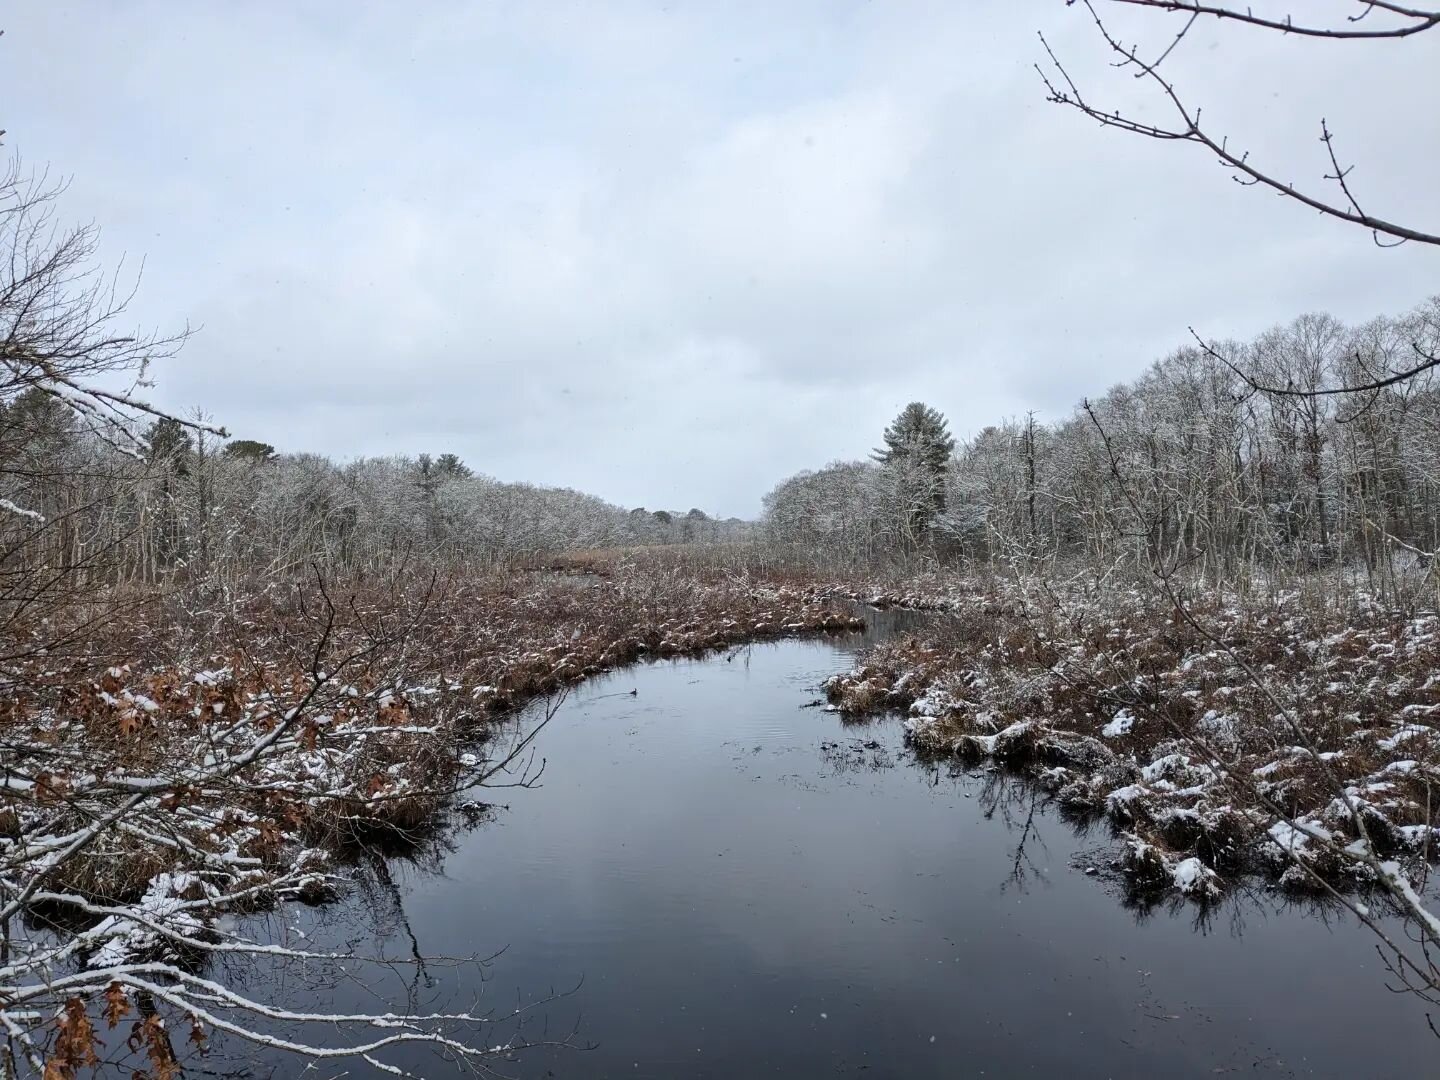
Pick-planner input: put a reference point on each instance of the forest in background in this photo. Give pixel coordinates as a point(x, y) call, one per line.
point(1188, 461)
point(1238, 486)
point(1201, 610)
point(186, 503)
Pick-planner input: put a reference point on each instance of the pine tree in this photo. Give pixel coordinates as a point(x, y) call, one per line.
point(170, 445)
point(917, 450)
point(451, 465)
point(250, 450)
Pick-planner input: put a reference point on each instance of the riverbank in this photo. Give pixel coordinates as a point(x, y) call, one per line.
point(1276, 737)
point(240, 751)
point(1268, 737)
point(219, 755)
point(720, 866)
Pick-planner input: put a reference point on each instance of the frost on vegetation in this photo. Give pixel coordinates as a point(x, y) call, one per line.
point(1166, 768)
point(249, 782)
point(1298, 840)
point(1193, 878)
point(170, 903)
point(1153, 867)
point(1418, 836)
point(1405, 734)
point(20, 511)
point(1199, 777)
point(1120, 725)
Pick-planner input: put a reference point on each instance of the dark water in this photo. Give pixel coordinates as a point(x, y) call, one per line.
point(740, 887)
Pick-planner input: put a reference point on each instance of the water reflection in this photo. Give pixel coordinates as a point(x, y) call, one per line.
point(713, 880)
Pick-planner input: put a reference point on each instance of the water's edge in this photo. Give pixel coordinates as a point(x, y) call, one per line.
point(719, 881)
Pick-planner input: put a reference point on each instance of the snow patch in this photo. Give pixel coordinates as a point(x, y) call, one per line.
point(1120, 725)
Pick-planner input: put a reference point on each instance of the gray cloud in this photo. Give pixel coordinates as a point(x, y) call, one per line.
point(670, 253)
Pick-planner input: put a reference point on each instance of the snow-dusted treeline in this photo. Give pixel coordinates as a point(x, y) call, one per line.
point(1223, 476)
point(98, 487)
point(191, 503)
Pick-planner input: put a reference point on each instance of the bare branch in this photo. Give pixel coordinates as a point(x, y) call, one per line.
point(1413, 20)
point(1188, 128)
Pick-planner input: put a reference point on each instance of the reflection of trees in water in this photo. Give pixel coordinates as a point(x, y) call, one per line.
point(1014, 802)
point(338, 954)
point(1247, 900)
point(852, 723)
point(369, 916)
point(1021, 806)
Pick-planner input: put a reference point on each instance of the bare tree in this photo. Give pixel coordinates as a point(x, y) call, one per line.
point(1371, 21)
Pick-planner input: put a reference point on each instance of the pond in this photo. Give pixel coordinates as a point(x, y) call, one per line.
point(719, 881)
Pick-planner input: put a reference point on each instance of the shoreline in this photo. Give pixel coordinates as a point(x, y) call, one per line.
point(373, 752)
point(377, 724)
point(1131, 717)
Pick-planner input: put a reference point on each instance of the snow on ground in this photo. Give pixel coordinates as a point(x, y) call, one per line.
point(1118, 710)
point(220, 778)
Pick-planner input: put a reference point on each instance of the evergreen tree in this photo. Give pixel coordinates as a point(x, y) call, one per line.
point(917, 450)
point(250, 450)
point(36, 423)
point(451, 465)
point(169, 447)
point(170, 444)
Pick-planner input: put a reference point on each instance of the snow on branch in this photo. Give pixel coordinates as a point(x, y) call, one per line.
point(20, 511)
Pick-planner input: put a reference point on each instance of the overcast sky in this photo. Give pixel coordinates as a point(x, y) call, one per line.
point(671, 252)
